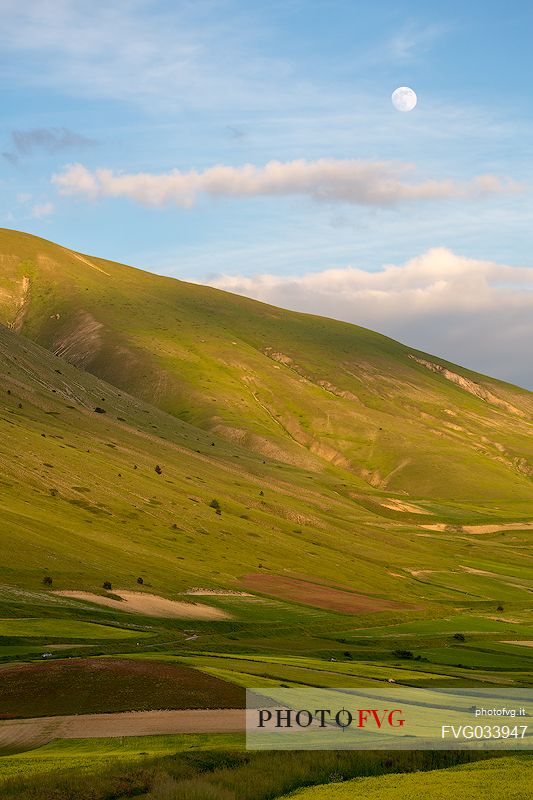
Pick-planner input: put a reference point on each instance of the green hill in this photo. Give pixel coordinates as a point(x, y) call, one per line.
point(80, 499)
point(305, 390)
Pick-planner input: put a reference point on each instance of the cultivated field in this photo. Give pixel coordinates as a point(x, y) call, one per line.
point(508, 778)
point(85, 686)
point(316, 594)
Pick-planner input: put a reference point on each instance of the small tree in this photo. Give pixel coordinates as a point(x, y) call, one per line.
point(140, 581)
point(403, 654)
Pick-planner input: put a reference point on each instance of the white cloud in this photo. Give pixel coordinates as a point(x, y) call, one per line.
point(370, 183)
point(41, 210)
point(475, 313)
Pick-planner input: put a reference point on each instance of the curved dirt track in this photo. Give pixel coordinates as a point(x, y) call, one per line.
point(22, 734)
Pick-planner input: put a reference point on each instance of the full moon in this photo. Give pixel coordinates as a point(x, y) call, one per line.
point(404, 99)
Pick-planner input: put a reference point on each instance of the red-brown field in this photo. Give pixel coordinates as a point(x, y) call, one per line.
point(97, 685)
point(316, 594)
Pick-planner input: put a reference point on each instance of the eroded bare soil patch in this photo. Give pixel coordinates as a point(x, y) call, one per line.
point(150, 604)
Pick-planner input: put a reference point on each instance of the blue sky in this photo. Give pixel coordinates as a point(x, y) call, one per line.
point(142, 89)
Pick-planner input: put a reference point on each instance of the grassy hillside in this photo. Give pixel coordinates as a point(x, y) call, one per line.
point(88, 497)
point(324, 396)
point(80, 490)
point(97, 485)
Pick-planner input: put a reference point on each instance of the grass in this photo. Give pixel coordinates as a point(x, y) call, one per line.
point(223, 362)
point(462, 623)
point(503, 777)
point(477, 658)
point(93, 755)
point(307, 671)
point(127, 521)
point(63, 629)
point(191, 767)
point(161, 527)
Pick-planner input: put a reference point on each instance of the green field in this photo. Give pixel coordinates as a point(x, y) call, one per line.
point(93, 755)
point(508, 778)
point(62, 629)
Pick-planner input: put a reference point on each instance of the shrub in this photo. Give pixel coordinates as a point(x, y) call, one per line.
point(402, 653)
point(47, 580)
point(107, 585)
point(140, 581)
point(99, 410)
point(214, 504)
point(460, 637)
point(158, 469)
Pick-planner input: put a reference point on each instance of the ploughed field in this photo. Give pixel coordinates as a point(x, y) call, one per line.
point(97, 685)
point(318, 595)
